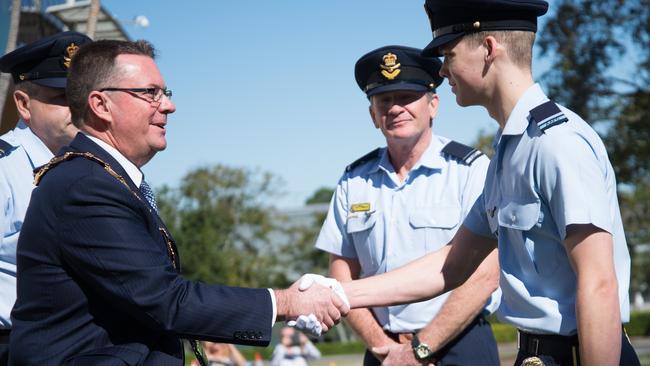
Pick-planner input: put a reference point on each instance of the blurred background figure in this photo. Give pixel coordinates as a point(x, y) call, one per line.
point(221, 354)
point(294, 349)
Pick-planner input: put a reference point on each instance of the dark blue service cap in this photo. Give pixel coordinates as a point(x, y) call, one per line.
point(392, 68)
point(452, 19)
point(46, 61)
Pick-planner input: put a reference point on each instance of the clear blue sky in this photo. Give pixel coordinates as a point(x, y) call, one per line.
point(270, 84)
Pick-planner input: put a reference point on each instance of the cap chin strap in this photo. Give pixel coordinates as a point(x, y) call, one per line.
point(40, 75)
point(478, 26)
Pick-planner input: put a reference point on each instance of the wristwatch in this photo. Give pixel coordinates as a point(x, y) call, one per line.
point(421, 350)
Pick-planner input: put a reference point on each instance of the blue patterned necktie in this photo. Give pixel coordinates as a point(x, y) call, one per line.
point(147, 192)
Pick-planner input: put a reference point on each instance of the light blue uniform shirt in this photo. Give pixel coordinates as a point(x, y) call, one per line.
point(402, 221)
point(16, 183)
point(537, 184)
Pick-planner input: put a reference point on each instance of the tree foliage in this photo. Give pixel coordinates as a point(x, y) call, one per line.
point(223, 227)
point(601, 70)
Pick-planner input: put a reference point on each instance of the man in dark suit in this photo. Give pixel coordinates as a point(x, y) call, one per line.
point(99, 278)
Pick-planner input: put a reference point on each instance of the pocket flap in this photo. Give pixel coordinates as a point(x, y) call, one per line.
point(519, 215)
point(443, 217)
point(361, 221)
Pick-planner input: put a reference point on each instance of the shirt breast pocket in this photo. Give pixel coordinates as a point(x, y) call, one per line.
point(523, 215)
point(435, 225)
point(519, 214)
point(361, 227)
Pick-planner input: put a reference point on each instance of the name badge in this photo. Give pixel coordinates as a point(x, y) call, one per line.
point(360, 207)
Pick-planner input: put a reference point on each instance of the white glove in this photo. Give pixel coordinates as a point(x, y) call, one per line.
point(308, 324)
point(307, 280)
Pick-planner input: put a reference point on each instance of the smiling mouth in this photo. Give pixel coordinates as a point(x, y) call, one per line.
point(397, 123)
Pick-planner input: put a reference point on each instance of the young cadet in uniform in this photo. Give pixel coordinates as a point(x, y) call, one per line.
point(549, 200)
point(401, 202)
point(39, 72)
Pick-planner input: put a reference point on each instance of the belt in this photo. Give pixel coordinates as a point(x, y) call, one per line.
point(546, 344)
point(400, 337)
point(407, 337)
point(4, 336)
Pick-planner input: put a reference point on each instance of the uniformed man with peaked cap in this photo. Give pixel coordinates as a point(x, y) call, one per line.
point(549, 201)
point(398, 203)
point(39, 72)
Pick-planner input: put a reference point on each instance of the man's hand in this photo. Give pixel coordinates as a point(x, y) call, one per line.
point(318, 300)
point(398, 354)
point(307, 280)
point(309, 323)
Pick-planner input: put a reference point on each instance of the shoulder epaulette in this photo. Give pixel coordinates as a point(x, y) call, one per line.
point(5, 147)
point(547, 115)
point(374, 154)
point(464, 153)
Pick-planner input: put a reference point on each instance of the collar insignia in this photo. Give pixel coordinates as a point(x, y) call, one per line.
point(70, 50)
point(390, 68)
point(360, 207)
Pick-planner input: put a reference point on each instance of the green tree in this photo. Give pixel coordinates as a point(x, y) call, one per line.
point(303, 234)
point(601, 69)
point(223, 226)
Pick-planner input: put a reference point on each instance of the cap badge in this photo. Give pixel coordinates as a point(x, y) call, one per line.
point(70, 50)
point(390, 68)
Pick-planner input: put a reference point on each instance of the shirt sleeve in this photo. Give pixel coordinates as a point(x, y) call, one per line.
point(474, 184)
point(333, 236)
point(573, 181)
point(477, 221)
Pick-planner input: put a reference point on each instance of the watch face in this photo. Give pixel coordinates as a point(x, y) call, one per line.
point(422, 351)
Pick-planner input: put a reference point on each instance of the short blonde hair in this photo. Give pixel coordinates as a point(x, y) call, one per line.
point(519, 44)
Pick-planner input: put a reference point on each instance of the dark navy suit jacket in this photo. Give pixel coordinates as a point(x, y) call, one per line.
point(96, 285)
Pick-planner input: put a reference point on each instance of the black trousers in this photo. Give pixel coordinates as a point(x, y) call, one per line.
point(474, 346)
point(4, 347)
point(556, 350)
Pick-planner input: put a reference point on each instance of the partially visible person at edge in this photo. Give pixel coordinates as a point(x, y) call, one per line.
point(549, 200)
point(294, 349)
point(99, 273)
point(39, 71)
point(401, 202)
point(221, 354)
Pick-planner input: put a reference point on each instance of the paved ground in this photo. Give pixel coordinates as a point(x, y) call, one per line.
point(507, 352)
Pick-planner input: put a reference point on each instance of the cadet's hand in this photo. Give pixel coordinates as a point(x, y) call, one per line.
point(398, 354)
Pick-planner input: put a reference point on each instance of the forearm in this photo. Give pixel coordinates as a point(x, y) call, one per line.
point(416, 281)
point(365, 325)
point(425, 277)
point(463, 305)
point(360, 320)
point(599, 324)
point(598, 310)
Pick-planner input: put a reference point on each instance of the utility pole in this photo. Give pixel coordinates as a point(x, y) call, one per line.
point(92, 18)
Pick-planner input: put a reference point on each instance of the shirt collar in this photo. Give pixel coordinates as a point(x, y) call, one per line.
point(431, 158)
point(134, 173)
point(38, 153)
point(518, 120)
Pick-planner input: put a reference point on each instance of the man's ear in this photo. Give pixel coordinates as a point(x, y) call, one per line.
point(100, 106)
point(23, 102)
point(372, 117)
point(433, 106)
point(492, 49)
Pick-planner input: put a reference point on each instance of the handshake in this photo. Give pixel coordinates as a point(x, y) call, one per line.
point(313, 304)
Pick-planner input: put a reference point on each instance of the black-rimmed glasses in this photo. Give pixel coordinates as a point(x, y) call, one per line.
point(155, 93)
